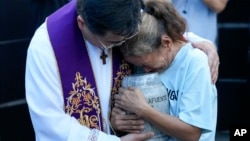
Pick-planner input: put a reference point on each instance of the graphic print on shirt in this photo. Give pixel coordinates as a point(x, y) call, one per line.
point(173, 94)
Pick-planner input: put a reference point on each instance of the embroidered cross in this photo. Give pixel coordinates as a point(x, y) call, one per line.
point(103, 57)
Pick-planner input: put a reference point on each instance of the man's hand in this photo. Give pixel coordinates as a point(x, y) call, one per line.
point(213, 57)
point(138, 137)
point(127, 123)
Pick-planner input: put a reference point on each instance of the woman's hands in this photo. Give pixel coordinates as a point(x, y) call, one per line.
point(130, 123)
point(127, 102)
point(131, 100)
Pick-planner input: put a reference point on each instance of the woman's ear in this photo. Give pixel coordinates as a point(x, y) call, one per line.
point(166, 41)
point(80, 22)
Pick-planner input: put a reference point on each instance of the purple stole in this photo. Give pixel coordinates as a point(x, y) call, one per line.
point(81, 98)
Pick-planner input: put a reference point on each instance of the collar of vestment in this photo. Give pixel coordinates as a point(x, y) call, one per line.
point(78, 82)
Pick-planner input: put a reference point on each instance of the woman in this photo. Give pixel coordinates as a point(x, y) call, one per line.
point(160, 47)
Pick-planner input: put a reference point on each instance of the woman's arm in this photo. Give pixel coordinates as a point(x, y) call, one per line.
point(216, 5)
point(132, 99)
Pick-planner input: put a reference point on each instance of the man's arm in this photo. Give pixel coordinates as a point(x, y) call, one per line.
point(213, 58)
point(210, 49)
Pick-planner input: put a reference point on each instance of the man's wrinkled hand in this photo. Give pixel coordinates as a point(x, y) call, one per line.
point(126, 122)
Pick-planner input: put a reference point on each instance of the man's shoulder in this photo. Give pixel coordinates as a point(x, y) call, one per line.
point(40, 40)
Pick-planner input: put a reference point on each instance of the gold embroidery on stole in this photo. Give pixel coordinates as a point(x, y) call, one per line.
point(82, 92)
point(124, 69)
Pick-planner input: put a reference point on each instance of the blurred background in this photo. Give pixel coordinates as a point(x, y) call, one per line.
point(20, 18)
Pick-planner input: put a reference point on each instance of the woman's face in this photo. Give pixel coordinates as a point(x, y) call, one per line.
point(156, 61)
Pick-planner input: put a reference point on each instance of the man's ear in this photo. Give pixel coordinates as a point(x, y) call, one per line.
point(80, 22)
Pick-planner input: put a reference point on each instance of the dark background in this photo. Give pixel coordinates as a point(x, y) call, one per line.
point(234, 78)
point(20, 18)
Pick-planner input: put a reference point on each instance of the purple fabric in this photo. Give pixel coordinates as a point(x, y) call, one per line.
point(73, 61)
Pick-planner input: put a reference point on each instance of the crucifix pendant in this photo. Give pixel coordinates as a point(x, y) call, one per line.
point(103, 57)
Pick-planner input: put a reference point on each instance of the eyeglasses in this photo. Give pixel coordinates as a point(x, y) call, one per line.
point(111, 45)
point(118, 43)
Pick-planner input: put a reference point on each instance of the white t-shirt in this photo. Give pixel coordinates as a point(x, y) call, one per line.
point(192, 96)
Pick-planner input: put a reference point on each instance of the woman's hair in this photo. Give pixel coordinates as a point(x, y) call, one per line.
point(121, 17)
point(159, 17)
